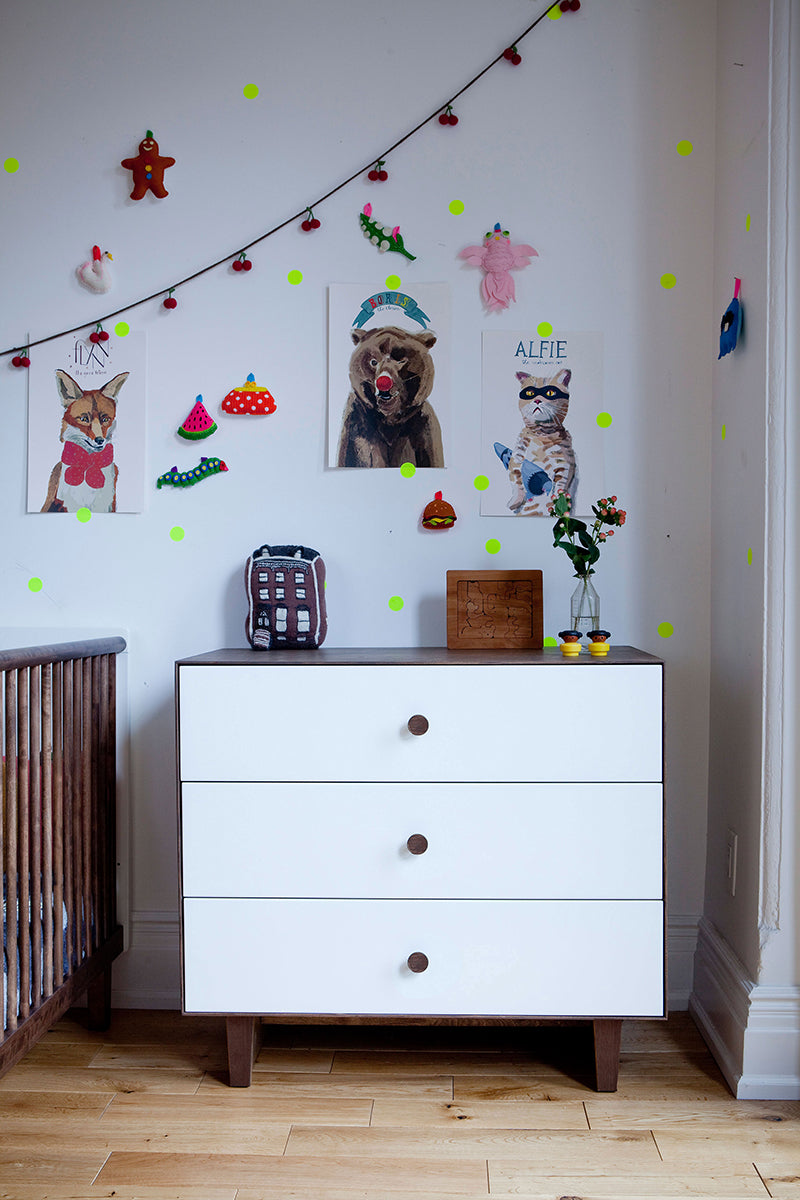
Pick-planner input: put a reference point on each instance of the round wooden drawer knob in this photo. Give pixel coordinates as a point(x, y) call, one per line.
point(417, 843)
point(418, 725)
point(417, 962)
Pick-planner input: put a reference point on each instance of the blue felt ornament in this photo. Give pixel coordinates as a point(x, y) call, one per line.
point(731, 324)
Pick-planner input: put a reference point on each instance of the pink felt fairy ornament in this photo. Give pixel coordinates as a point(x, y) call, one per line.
point(497, 257)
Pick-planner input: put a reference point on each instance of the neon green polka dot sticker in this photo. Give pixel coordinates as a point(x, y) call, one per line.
point(493, 546)
point(35, 584)
point(544, 329)
point(396, 603)
point(665, 629)
point(122, 329)
point(684, 148)
point(456, 207)
point(554, 13)
point(747, 222)
point(84, 515)
point(177, 534)
point(295, 277)
point(480, 483)
point(548, 641)
point(250, 91)
point(668, 280)
point(408, 470)
point(393, 282)
point(724, 432)
point(604, 420)
point(11, 165)
point(749, 556)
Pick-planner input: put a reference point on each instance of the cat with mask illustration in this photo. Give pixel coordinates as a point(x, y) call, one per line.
point(542, 463)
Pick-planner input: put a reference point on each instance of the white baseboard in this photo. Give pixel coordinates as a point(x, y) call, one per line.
point(752, 1030)
point(147, 975)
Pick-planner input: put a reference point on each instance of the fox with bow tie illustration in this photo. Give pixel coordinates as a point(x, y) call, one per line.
point(86, 476)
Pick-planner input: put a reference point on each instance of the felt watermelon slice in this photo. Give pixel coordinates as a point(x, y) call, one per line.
point(198, 424)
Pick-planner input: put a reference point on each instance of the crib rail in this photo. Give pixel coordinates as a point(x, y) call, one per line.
point(57, 833)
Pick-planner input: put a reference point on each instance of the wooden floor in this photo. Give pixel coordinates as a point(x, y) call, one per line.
point(381, 1114)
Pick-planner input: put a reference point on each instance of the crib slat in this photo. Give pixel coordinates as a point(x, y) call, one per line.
point(111, 794)
point(87, 806)
point(102, 797)
point(69, 788)
point(58, 821)
point(47, 829)
point(10, 862)
point(23, 845)
point(35, 816)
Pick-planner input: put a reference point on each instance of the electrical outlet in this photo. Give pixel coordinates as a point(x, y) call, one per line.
point(732, 854)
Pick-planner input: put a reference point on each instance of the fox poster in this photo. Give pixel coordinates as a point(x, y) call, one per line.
point(542, 421)
point(86, 425)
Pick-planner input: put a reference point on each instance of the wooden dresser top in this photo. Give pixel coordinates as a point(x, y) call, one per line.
point(435, 656)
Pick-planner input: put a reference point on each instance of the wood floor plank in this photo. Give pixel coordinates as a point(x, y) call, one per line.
point(51, 1106)
point(438, 1087)
point(508, 1176)
point(430, 1114)
point(784, 1185)
point(239, 1104)
point(43, 1168)
point(760, 1143)
point(140, 1135)
point(469, 1088)
point(139, 1025)
point(69, 1191)
point(24, 1078)
point(619, 1113)
point(65, 1054)
point(528, 1186)
point(553, 1147)
point(398, 1062)
point(254, 1170)
point(305, 1061)
point(200, 1056)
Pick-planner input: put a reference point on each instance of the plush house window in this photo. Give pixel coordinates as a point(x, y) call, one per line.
point(303, 620)
point(280, 619)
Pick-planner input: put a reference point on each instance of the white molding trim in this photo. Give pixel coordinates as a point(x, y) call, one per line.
point(147, 975)
point(753, 1031)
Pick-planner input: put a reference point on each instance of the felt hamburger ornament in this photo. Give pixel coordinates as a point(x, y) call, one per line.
point(249, 399)
point(439, 514)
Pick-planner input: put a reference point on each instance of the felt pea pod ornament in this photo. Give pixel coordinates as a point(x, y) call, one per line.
point(381, 235)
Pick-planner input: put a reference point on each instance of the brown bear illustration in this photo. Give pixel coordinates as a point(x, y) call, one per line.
point(388, 419)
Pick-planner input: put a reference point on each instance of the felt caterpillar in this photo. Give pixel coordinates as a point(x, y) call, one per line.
point(206, 467)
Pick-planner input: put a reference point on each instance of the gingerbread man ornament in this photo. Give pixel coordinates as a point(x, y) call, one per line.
point(148, 169)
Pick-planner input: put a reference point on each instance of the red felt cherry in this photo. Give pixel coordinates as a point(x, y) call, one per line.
point(383, 176)
point(575, 5)
point(516, 59)
point(315, 222)
point(16, 361)
point(103, 335)
point(507, 53)
point(237, 265)
point(452, 119)
point(94, 337)
point(170, 302)
point(373, 175)
point(564, 5)
point(306, 225)
point(444, 119)
point(24, 361)
point(247, 265)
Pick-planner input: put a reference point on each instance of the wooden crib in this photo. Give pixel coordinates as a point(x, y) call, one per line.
point(57, 836)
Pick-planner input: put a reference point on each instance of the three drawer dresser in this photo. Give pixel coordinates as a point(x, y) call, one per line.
point(421, 835)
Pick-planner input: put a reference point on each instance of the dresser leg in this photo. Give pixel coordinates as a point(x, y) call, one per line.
point(606, 1054)
point(241, 1037)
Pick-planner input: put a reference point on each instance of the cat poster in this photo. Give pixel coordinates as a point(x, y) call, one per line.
point(388, 387)
point(539, 430)
point(86, 425)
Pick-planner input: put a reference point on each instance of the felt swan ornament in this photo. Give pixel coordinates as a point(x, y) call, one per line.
point(95, 274)
point(497, 256)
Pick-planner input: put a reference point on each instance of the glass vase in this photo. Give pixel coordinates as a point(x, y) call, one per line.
point(584, 607)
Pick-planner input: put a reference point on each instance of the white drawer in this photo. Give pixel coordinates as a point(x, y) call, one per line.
point(339, 723)
point(489, 958)
point(498, 841)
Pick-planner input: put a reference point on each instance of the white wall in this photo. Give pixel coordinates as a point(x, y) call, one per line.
point(573, 151)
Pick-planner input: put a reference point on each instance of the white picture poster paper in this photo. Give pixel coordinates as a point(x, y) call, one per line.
point(388, 386)
point(86, 425)
point(540, 433)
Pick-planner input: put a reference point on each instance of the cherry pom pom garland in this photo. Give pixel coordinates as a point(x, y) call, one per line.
point(445, 116)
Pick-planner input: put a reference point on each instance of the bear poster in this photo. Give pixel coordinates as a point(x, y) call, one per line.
point(388, 392)
point(86, 425)
point(542, 421)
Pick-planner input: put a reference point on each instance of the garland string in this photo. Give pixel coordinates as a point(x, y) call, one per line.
point(289, 220)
